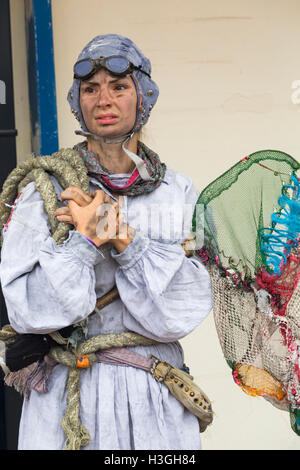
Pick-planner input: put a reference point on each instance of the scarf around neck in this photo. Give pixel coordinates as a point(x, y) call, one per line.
point(135, 185)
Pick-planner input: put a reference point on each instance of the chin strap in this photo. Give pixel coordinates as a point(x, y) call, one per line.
point(138, 161)
point(105, 140)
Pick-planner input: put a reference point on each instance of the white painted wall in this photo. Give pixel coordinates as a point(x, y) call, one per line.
point(226, 72)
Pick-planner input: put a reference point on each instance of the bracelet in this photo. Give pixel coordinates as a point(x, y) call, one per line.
point(91, 241)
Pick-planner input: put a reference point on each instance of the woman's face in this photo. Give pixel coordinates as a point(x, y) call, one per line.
point(108, 104)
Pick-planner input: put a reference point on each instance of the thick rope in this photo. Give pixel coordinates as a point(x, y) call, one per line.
point(66, 166)
point(98, 343)
point(77, 435)
point(8, 334)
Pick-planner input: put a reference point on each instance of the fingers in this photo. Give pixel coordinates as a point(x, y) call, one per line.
point(77, 195)
point(81, 198)
point(101, 202)
point(62, 211)
point(100, 196)
point(63, 214)
point(65, 218)
point(106, 196)
point(84, 211)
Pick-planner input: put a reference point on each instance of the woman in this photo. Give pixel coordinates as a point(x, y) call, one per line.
point(163, 294)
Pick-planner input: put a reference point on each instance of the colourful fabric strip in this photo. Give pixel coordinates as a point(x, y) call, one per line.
point(137, 186)
point(124, 357)
point(91, 241)
point(36, 376)
point(131, 180)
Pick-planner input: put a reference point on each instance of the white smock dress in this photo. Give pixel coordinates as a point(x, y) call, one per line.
point(163, 295)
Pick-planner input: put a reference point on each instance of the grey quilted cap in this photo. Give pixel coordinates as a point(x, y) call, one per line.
point(147, 90)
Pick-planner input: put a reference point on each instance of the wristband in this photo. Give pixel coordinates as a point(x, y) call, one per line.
point(91, 241)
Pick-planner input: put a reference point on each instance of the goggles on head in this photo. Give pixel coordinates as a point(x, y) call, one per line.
point(116, 65)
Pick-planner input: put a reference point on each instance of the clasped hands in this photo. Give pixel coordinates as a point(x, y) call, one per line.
point(96, 217)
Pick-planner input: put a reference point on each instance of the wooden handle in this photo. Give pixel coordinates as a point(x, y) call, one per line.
point(108, 298)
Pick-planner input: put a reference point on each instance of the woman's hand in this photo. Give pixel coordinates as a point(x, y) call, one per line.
point(63, 214)
point(96, 217)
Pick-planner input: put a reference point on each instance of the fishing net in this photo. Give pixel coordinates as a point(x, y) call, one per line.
point(247, 228)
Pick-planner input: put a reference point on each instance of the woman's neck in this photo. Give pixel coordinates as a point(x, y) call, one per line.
point(112, 156)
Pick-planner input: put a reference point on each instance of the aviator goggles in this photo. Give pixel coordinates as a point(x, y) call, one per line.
point(116, 65)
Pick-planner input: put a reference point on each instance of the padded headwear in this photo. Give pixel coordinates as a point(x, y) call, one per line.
point(146, 89)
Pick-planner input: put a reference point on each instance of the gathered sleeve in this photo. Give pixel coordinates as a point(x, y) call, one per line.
point(166, 295)
point(46, 286)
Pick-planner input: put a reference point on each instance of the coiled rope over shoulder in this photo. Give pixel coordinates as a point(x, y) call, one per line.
point(66, 166)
